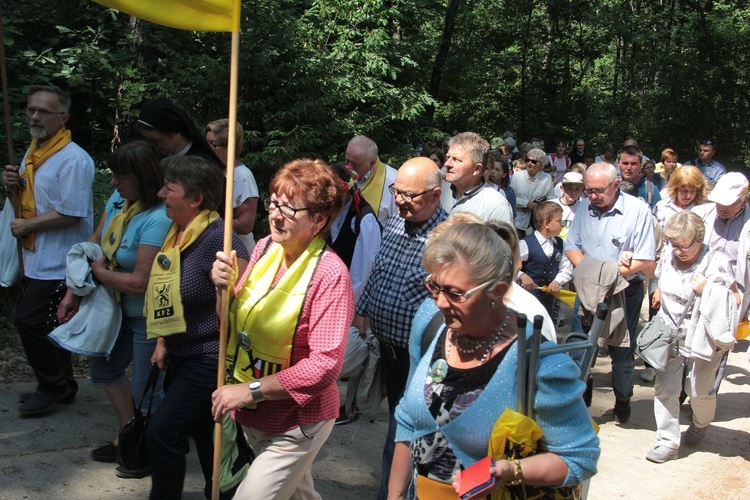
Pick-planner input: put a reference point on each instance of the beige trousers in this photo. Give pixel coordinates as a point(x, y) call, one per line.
point(282, 468)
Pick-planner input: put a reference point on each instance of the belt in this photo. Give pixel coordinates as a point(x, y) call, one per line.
point(394, 352)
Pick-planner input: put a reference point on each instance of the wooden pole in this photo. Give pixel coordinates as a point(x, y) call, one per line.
point(13, 193)
point(228, 216)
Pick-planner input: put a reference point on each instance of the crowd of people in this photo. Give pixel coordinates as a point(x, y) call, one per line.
point(432, 262)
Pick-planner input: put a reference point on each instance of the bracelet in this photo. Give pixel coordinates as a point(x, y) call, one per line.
point(517, 474)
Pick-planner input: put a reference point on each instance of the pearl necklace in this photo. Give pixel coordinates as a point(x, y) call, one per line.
point(491, 342)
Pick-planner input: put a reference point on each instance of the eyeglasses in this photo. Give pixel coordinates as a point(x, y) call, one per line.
point(44, 113)
point(286, 211)
point(597, 191)
point(532, 161)
point(215, 145)
point(690, 190)
point(683, 248)
point(408, 198)
point(456, 297)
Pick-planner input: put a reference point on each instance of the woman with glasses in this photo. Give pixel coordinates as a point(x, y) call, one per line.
point(289, 318)
point(245, 190)
point(686, 188)
point(686, 266)
point(181, 314)
point(467, 377)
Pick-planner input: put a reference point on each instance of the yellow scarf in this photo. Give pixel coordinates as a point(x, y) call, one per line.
point(163, 306)
point(34, 160)
point(113, 234)
point(372, 190)
point(263, 319)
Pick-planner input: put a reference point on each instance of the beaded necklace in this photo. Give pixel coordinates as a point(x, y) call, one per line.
point(491, 342)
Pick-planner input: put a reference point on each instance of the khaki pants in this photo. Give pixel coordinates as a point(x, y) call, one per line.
point(282, 467)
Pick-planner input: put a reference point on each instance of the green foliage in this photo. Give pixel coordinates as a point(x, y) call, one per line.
point(313, 73)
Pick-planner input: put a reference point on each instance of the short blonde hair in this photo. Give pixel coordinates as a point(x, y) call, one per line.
point(220, 128)
point(684, 225)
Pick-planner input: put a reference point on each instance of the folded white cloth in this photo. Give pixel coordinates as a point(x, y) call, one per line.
point(8, 248)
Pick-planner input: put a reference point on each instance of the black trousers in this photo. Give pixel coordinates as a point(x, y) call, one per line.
point(51, 364)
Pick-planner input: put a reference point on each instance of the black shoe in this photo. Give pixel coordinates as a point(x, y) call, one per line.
point(106, 453)
point(344, 419)
point(622, 411)
point(132, 473)
point(40, 403)
point(67, 400)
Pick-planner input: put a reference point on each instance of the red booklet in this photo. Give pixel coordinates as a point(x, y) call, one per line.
point(476, 479)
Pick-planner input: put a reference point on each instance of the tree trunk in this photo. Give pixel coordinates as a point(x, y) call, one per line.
point(442, 55)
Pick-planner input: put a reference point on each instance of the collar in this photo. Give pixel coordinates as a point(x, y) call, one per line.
point(619, 206)
point(739, 214)
point(472, 192)
point(422, 230)
point(541, 238)
point(185, 149)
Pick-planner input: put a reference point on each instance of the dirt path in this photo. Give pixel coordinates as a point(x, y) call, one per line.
point(47, 458)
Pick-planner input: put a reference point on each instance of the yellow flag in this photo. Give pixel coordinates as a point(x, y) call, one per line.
point(194, 15)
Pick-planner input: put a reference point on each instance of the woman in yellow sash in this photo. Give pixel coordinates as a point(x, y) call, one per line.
point(289, 321)
point(180, 305)
point(131, 231)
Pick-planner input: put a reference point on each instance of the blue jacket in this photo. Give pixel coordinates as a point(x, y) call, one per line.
point(558, 406)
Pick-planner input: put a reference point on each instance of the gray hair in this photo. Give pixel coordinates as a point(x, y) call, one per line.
point(537, 154)
point(472, 143)
point(602, 168)
point(488, 257)
point(434, 179)
point(63, 97)
point(367, 145)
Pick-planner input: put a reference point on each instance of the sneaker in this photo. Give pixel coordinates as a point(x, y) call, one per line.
point(648, 375)
point(106, 453)
point(67, 400)
point(132, 473)
point(661, 454)
point(694, 435)
point(622, 411)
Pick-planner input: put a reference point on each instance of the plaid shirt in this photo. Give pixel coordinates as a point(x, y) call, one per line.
point(395, 287)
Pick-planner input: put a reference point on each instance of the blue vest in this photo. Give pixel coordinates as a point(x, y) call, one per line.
point(538, 266)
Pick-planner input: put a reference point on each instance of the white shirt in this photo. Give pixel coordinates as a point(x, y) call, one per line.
point(569, 212)
point(485, 203)
point(529, 189)
point(63, 184)
point(365, 249)
point(244, 187)
point(387, 201)
point(520, 300)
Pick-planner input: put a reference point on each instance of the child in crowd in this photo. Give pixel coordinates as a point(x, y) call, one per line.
point(542, 255)
point(570, 199)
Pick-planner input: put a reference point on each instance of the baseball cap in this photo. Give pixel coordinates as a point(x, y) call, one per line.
point(729, 188)
point(572, 178)
point(496, 142)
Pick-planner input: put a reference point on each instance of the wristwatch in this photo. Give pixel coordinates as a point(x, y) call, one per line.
point(254, 387)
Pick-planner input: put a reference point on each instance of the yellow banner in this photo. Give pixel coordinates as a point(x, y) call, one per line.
point(194, 15)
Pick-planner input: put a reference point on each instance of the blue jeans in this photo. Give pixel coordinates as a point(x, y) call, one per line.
point(184, 412)
point(131, 345)
point(623, 360)
point(396, 371)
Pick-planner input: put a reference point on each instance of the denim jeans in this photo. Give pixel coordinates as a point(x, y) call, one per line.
point(131, 345)
point(396, 371)
point(184, 412)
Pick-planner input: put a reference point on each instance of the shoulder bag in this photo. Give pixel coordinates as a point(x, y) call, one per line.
point(131, 446)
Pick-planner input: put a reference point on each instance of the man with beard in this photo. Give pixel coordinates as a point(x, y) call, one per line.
point(54, 184)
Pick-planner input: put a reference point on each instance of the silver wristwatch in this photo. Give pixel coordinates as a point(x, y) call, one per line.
point(254, 387)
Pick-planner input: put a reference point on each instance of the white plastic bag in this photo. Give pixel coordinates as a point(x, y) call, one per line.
point(8, 248)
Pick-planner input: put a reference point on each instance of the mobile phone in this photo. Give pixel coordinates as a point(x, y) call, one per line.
point(476, 479)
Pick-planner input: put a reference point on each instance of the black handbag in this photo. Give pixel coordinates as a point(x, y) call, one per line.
point(132, 452)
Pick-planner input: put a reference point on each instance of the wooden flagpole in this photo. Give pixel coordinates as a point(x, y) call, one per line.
point(13, 193)
point(226, 294)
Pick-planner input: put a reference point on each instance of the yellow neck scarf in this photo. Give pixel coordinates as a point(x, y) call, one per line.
point(163, 306)
point(372, 190)
point(264, 319)
point(34, 160)
point(113, 234)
